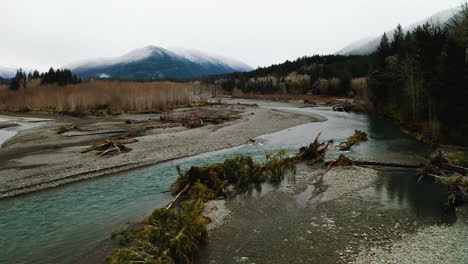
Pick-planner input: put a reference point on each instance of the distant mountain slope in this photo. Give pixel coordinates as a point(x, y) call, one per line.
point(156, 62)
point(7, 72)
point(369, 45)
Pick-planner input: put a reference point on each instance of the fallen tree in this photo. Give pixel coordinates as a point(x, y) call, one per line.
point(455, 177)
point(356, 138)
point(172, 235)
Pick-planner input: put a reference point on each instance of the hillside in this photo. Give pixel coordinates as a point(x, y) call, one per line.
point(369, 45)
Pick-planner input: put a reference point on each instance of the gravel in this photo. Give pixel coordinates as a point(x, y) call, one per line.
point(217, 212)
point(431, 245)
point(343, 180)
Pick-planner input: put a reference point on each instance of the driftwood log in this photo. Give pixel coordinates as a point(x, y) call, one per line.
point(63, 129)
point(344, 161)
point(110, 146)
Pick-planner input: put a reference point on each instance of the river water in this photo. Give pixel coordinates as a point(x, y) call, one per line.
point(61, 224)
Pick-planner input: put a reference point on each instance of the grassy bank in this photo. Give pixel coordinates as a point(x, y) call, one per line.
point(104, 97)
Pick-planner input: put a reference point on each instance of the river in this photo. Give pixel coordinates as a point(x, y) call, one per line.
point(58, 225)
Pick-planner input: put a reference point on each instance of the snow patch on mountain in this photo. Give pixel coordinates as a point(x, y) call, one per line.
point(7, 72)
point(202, 57)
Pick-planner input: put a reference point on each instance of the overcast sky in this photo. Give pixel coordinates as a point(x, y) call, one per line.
point(40, 34)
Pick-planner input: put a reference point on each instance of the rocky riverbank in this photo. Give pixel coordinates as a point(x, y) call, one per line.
point(41, 158)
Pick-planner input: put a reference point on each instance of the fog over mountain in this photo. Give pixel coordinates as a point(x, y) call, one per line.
point(157, 62)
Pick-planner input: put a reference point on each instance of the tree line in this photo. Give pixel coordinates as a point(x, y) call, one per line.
point(57, 77)
point(310, 72)
point(420, 78)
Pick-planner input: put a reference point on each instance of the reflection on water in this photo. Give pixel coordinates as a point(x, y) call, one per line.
point(401, 188)
point(56, 225)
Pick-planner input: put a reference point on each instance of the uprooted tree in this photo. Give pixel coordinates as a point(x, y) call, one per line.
point(314, 152)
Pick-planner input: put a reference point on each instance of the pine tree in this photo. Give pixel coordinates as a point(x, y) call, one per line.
point(383, 51)
point(398, 41)
point(36, 75)
point(19, 81)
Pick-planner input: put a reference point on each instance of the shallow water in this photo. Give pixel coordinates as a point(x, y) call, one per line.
point(280, 227)
point(57, 225)
point(9, 132)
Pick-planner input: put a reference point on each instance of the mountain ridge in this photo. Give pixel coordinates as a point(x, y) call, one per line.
point(157, 62)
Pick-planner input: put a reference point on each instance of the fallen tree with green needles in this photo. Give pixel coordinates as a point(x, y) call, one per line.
point(356, 138)
point(172, 235)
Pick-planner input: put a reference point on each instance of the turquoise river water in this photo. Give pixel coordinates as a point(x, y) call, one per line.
point(60, 224)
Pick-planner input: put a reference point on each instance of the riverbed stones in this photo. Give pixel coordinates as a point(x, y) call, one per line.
point(217, 212)
point(344, 180)
point(433, 244)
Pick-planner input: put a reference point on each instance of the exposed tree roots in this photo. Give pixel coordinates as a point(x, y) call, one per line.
point(314, 152)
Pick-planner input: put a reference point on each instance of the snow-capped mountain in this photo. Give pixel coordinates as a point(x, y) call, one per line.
point(369, 45)
point(7, 72)
point(156, 62)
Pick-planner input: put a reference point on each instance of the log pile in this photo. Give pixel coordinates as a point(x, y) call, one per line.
point(195, 120)
point(110, 147)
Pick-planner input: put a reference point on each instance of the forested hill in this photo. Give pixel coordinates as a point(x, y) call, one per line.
point(421, 79)
point(331, 74)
